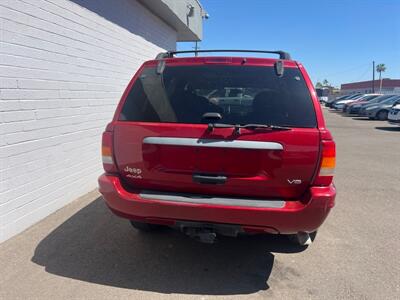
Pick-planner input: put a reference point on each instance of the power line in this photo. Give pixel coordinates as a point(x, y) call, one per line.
point(347, 70)
point(366, 71)
point(355, 68)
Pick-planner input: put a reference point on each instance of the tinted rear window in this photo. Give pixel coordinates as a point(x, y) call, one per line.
point(391, 100)
point(241, 94)
point(382, 98)
point(367, 98)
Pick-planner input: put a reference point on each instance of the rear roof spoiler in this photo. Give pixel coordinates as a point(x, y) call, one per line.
point(170, 54)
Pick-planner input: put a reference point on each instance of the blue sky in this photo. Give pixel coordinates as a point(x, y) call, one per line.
point(334, 39)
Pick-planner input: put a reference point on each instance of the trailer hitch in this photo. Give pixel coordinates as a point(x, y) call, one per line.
point(203, 235)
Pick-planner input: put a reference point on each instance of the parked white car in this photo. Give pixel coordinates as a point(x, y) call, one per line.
point(394, 114)
point(339, 104)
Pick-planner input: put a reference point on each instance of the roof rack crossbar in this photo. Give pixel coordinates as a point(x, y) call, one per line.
point(170, 54)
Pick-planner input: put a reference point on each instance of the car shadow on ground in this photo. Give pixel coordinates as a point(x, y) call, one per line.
point(387, 128)
point(95, 246)
point(343, 114)
point(363, 119)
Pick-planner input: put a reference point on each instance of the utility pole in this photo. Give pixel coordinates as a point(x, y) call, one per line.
point(373, 76)
point(196, 47)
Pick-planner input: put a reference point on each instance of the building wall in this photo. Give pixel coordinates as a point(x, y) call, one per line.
point(184, 15)
point(195, 22)
point(389, 86)
point(63, 68)
point(369, 91)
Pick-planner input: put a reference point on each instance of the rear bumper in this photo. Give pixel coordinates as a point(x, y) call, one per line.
point(394, 122)
point(294, 216)
point(394, 118)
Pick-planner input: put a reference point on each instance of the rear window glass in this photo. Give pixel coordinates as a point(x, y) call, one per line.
point(391, 100)
point(367, 98)
point(240, 94)
point(382, 98)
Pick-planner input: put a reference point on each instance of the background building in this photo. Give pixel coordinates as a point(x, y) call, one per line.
point(389, 86)
point(63, 67)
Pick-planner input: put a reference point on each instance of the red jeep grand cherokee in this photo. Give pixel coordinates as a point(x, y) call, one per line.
point(220, 145)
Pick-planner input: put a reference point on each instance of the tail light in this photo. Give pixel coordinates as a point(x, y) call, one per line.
point(107, 153)
point(328, 163)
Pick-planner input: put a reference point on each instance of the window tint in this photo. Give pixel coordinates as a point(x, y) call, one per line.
point(367, 98)
point(242, 95)
point(391, 100)
point(381, 98)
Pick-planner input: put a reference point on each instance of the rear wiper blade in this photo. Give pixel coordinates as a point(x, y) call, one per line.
point(237, 127)
point(267, 126)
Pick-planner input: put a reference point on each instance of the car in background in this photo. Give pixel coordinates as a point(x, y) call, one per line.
point(232, 99)
point(340, 104)
point(363, 106)
point(331, 102)
point(380, 111)
point(355, 107)
point(364, 98)
point(323, 94)
point(394, 114)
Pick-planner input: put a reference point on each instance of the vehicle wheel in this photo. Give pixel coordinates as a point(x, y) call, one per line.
point(302, 238)
point(382, 115)
point(145, 227)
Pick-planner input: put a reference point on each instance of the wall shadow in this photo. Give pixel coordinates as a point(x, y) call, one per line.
point(95, 246)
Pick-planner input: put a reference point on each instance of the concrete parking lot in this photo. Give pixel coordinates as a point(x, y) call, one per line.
point(83, 251)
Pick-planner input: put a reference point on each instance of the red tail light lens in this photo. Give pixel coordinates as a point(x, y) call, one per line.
point(107, 153)
point(328, 163)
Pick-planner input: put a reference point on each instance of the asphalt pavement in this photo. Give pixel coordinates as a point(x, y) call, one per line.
point(83, 251)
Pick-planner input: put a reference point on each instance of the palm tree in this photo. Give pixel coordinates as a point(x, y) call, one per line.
point(325, 82)
point(380, 68)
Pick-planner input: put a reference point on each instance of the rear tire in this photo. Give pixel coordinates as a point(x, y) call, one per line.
point(145, 227)
point(382, 115)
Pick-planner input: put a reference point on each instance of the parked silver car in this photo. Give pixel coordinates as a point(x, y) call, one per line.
point(380, 111)
point(362, 105)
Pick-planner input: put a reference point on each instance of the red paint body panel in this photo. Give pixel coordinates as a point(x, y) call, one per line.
point(257, 173)
point(305, 214)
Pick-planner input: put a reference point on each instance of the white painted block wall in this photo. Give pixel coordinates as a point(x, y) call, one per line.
point(63, 68)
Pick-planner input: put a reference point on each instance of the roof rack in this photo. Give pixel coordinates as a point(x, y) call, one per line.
point(170, 54)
